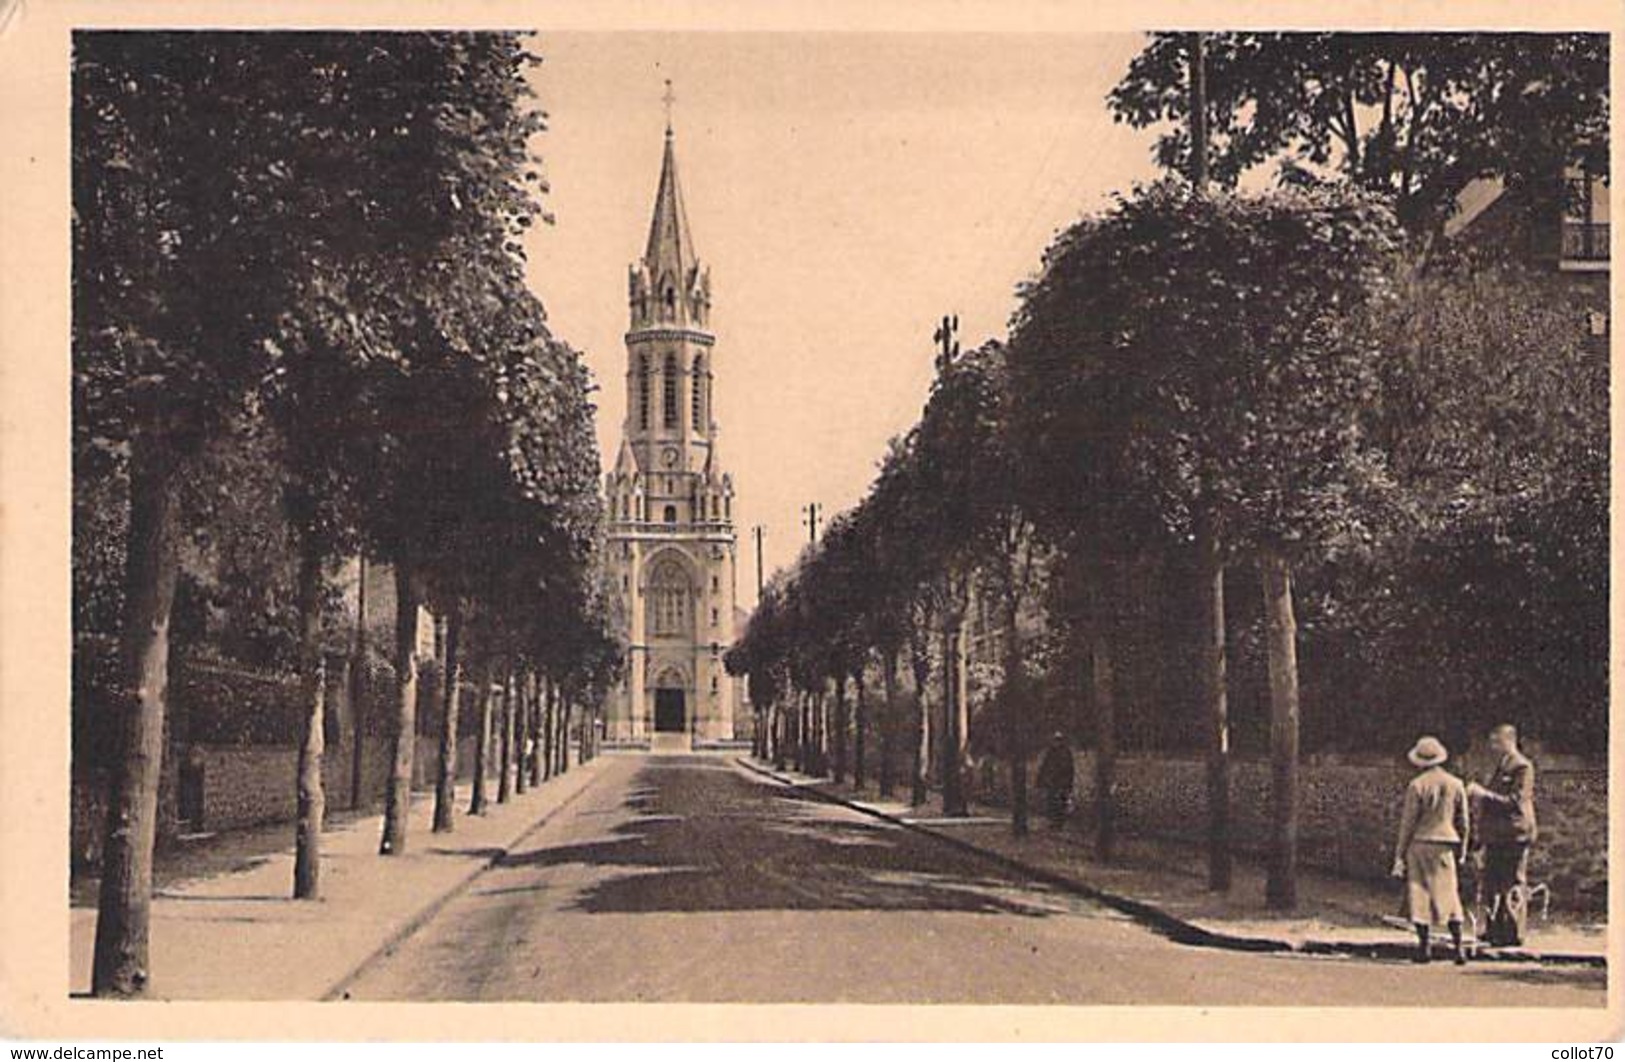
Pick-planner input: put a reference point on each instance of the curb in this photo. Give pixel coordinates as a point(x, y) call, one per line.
point(339, 990)
point(1169, 925)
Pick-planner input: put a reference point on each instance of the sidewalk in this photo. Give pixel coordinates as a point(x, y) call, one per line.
point(238, 936)
point(1164, 885)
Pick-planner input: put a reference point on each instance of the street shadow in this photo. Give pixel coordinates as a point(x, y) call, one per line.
point(486, 852)
point(697, 836)
point(181, 897)
point(1582, 977)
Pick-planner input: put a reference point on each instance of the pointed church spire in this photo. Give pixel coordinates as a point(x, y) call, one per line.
point(669, 286)
point(671, 246)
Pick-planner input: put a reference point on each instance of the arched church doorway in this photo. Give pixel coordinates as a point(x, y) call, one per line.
point(671, 702)
point(671, 713)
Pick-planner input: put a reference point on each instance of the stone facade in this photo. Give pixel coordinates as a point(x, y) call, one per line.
point(672, 546)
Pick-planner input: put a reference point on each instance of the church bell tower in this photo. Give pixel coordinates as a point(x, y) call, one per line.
point(672, 540)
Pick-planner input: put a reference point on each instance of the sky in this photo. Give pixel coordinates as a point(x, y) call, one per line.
point(846, 190)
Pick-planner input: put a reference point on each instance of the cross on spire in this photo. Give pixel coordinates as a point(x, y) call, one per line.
point(668, 99)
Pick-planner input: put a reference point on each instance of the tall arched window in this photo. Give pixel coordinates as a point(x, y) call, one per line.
point(670, 600)
point(643, 392)
point(669, 391)
point(697, 384)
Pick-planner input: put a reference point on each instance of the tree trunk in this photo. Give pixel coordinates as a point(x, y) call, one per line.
point(860, 727)
point(816, 719)
point(1015, 721)
point(124, 908)
point(445, 790)
point(922, 729)
point(798, 707)
point(538, 726)
point(1105, 745)
point(820, 720)
point(775, 732)
point(1198, 112)
point(826, 739)
point(804, 734)
point(815, 737)
point(358, 689)
point(563, 744)
point(403, 735)
point(809, 733)
point(1281, 887)
point(1215, 692)
point(567, 713)
point(482, 748)
point(837, 739)
point(505, 737)
point(539, 729)
point(550, 728)
point(312, 799)
point(955, 712)
point(522, 736)
point(888, 722)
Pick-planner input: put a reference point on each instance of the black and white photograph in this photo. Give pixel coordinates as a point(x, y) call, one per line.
point(676, 514)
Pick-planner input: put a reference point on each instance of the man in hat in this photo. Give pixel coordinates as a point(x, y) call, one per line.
point(1504, 814)
point(1433, 833)
point(1055, 777)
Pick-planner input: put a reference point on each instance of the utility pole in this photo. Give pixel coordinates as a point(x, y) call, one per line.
point(758, 531)
point(811, 511)
point(947, 338)
point(1210, 577)
point(1198, 104)
point(358, 679)
point(955, 709)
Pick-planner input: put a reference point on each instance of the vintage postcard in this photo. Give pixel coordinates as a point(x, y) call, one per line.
point(995, 521)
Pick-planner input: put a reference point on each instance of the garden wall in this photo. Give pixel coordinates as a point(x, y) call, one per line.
point(1349, 815)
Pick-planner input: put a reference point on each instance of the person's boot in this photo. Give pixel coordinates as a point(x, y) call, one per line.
point(1424, 954)
point(1455, 941)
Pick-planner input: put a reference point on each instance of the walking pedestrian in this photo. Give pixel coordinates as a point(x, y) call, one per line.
point(1433, 835)
point(1055, 777)
point(1504, 818)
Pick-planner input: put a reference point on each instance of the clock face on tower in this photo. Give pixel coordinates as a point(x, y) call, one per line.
point(668, 457)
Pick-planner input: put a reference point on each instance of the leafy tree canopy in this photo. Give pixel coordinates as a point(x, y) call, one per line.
point(1411, 117)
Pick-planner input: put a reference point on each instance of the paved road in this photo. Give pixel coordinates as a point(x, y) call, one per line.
point(688, 879)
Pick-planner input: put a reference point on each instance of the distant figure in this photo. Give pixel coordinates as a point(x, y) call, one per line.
point(192, 790)
point(1504, 814)
point(1055, 777)
point(1433, 833)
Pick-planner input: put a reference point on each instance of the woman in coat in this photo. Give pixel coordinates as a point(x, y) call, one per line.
point(1433, 833)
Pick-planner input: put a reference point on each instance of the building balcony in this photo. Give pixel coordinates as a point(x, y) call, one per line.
point(687, 528)
point(1585, 245)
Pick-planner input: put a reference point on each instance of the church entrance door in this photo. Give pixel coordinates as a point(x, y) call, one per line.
point(671, 715)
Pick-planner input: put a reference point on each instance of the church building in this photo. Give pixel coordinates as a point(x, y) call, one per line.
point(671, 534)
